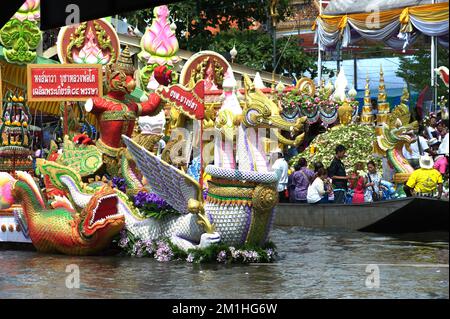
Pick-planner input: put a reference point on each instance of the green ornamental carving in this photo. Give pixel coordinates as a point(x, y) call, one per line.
point(85, 160)
point(20, 40)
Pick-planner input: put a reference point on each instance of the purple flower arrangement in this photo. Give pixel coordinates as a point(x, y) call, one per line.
point(119, 183)
point(164, 250)
point(152, 206)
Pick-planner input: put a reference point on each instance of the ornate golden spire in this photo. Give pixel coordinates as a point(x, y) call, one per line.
point(383, 106)
point(382, 97)
point(367, 116)
point(367, 98)
point(125, 62)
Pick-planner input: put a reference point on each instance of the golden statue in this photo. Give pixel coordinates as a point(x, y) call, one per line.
point(345, 113)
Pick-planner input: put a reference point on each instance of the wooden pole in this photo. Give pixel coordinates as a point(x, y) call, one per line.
point(202, 170)
point(319, 52)
point(66, 119)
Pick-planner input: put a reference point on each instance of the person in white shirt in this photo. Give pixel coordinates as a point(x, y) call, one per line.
point(317, 191)
point(443, 148)
point(281, 167)
point(416, 151)
point(431, 130)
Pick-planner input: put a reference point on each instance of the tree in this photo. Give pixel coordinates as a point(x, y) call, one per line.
point(193, 17)
point(255, 48)
point(416, 70)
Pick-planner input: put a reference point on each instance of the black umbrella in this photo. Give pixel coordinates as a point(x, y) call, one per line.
point(54, 13)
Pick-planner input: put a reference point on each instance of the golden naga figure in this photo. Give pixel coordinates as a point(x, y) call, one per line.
point(261, 111)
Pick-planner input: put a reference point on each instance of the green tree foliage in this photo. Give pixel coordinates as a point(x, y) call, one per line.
point(255, 48)
point(416, 69)
point(194, 16)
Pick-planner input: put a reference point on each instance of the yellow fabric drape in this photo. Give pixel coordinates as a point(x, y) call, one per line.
point(430, 13)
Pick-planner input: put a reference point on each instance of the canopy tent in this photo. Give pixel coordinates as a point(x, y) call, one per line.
point(338, 7)
point(398, 24)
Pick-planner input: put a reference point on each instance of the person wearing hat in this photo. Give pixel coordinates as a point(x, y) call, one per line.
point(426, 181)
point(431, 129)
point(433, 145)
point(418, 148)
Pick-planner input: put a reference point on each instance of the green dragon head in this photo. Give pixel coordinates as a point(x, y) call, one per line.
point(395, 137)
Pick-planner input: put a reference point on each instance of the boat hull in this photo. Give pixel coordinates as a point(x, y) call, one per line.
point(10, 230)
point(409, 215)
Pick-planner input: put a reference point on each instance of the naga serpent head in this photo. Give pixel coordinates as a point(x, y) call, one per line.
point(101, 216)
point(403, 133)
point(396, 137)
point(260, 111)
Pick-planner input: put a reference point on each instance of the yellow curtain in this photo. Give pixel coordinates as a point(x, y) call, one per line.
point(428, 13)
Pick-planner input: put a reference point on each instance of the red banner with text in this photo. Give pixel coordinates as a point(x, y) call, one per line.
point(65, 83)
point(191, 102)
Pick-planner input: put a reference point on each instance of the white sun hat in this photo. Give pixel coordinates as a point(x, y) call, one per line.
point(426, 162)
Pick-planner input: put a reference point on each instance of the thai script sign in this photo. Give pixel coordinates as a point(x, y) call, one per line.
point(64, 83)
point(191, 102)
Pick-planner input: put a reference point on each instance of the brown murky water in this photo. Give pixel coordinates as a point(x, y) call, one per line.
point(312, 264)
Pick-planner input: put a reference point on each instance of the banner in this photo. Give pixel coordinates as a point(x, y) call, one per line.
point(191, 102)
point(65, 83)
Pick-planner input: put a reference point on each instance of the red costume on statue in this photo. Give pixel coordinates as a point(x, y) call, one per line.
point(117, 116)
point(115, 113)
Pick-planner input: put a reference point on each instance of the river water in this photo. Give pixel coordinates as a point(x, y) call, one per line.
point(312, 264)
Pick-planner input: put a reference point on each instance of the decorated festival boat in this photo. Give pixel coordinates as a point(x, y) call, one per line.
point(185, 170)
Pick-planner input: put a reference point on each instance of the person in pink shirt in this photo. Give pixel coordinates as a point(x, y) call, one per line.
point(441, 163)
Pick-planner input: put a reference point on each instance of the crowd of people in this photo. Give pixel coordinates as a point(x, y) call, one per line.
point(316, 184)
point(428, 155)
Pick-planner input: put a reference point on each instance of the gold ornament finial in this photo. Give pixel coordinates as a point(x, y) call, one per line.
point(383, 106)
point(382, 97)
point(125, 62)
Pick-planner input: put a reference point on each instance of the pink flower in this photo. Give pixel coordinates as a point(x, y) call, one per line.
point(159, 43)
point(91, 53)
point(30, 10)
